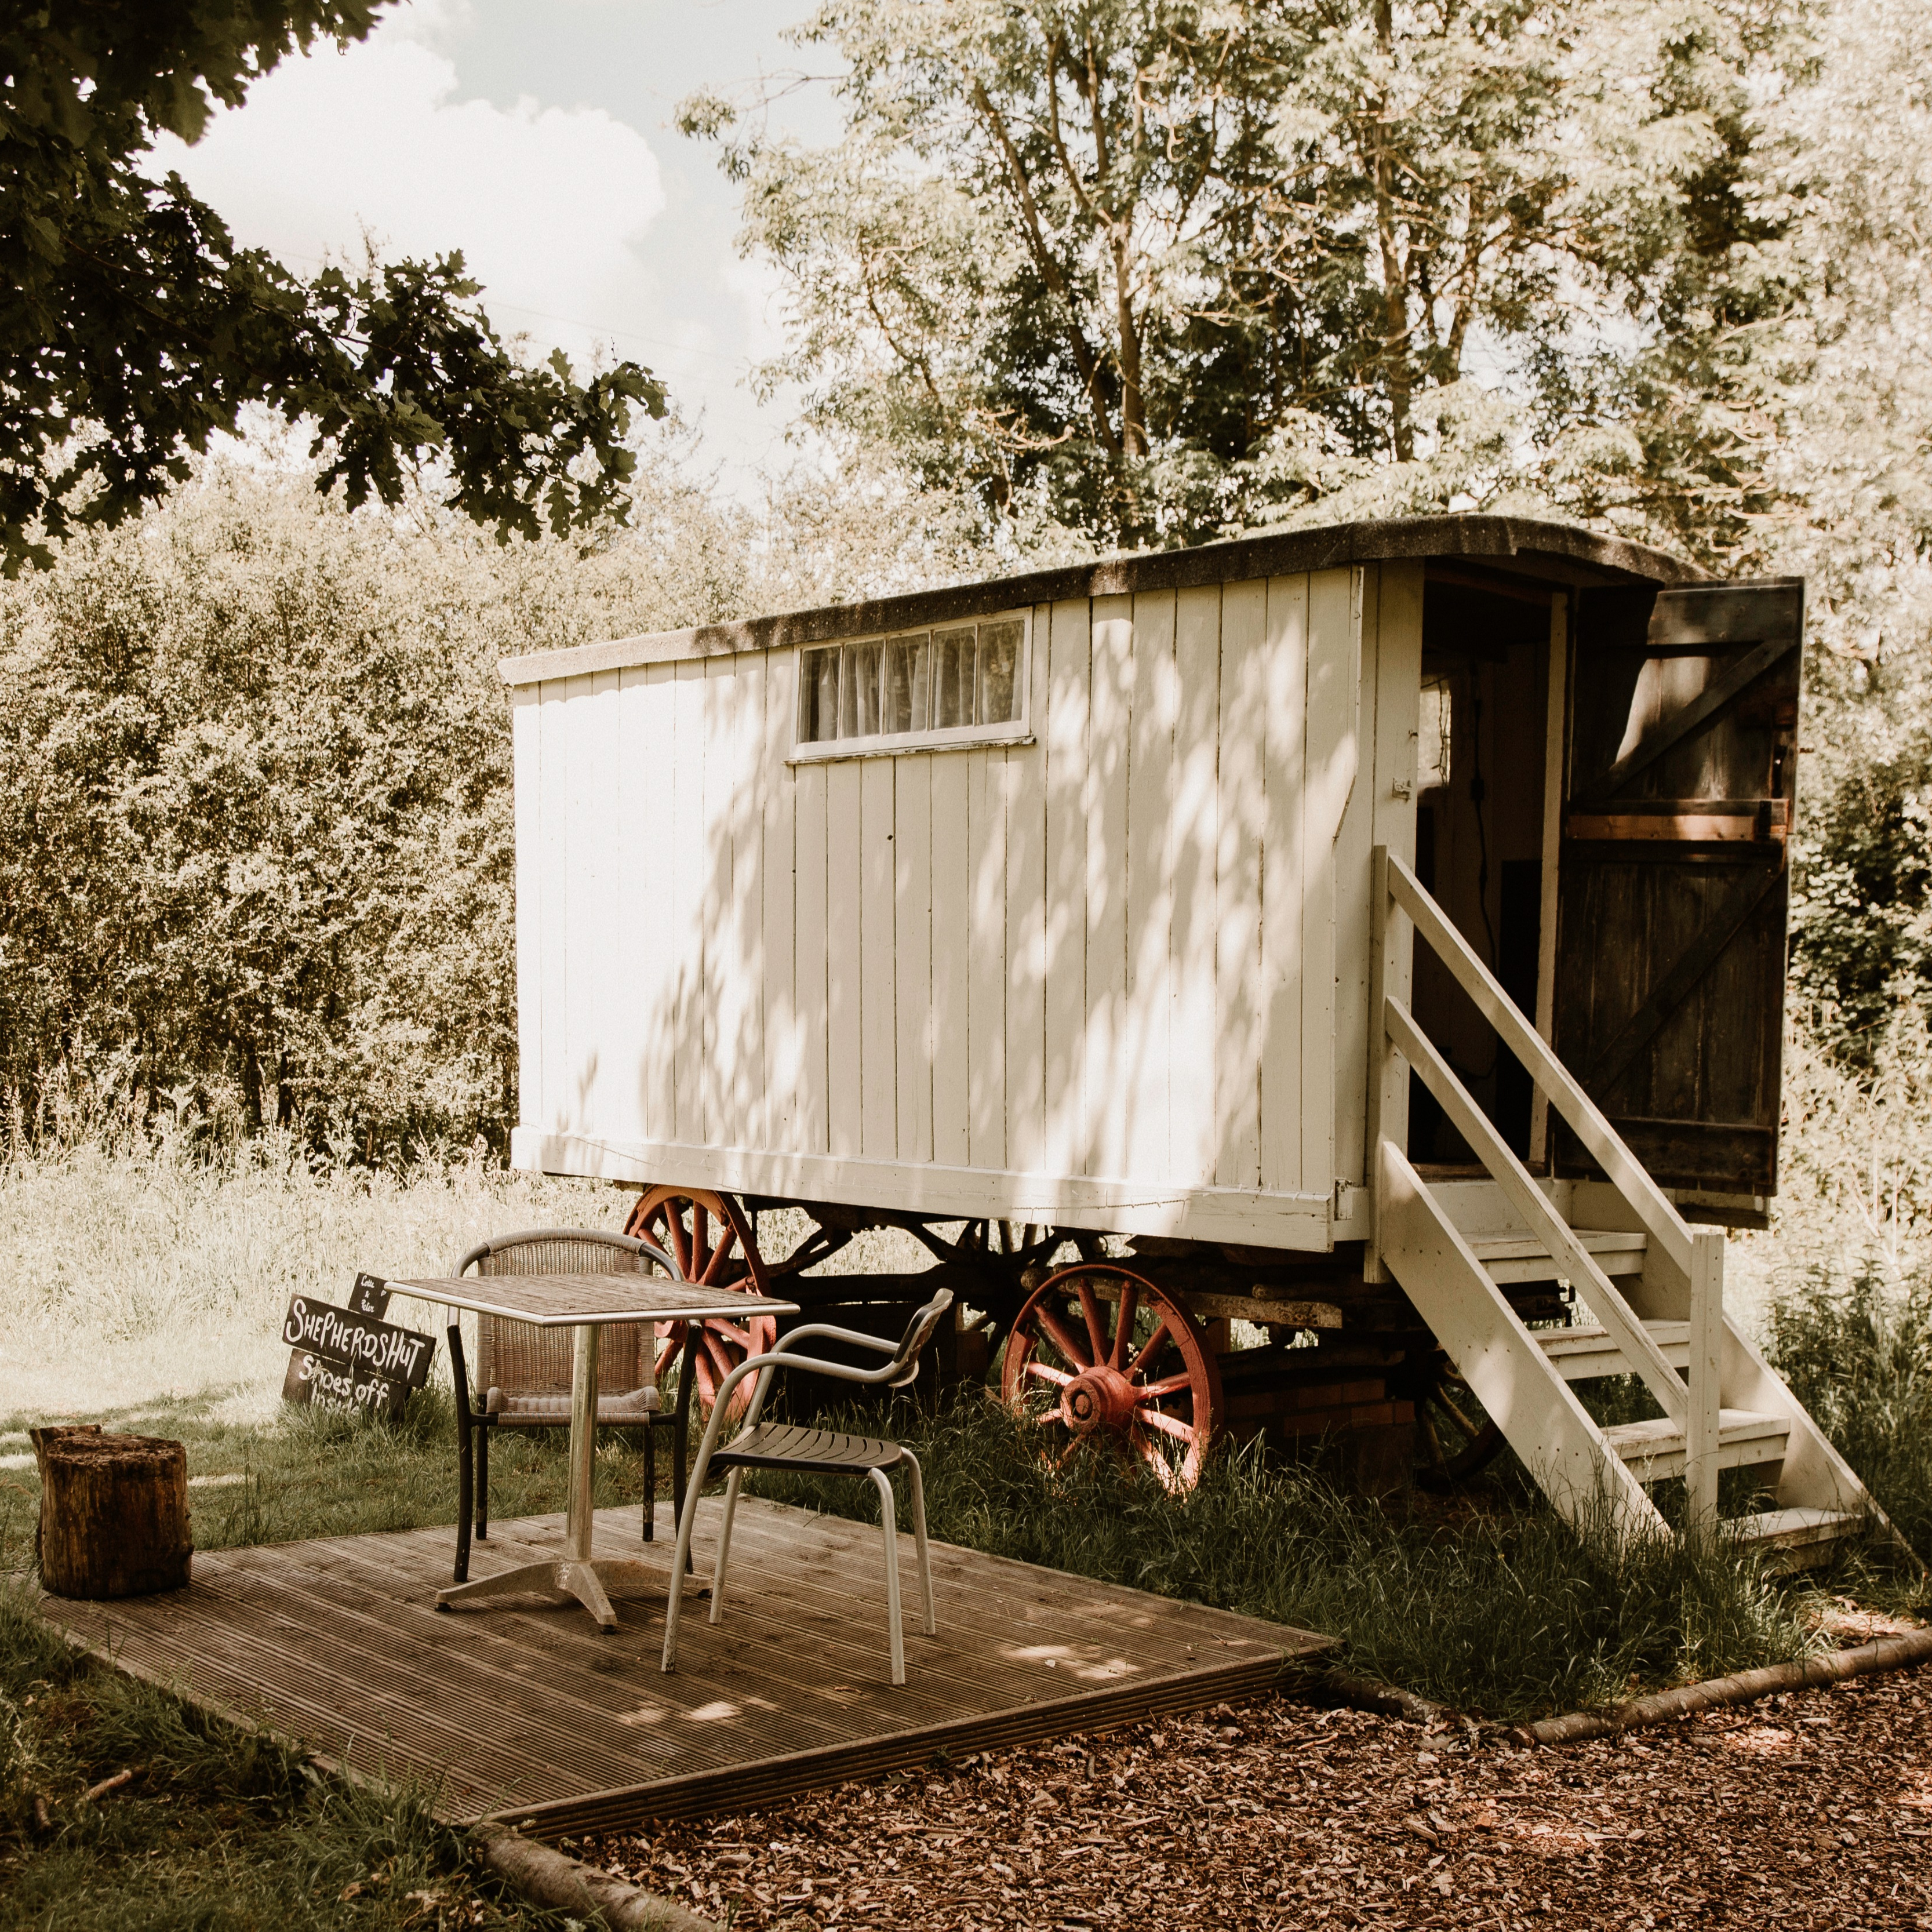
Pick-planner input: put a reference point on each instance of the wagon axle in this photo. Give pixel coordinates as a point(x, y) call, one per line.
point(1098, 1398)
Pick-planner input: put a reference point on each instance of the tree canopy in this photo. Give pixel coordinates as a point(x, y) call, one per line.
point(132, 328)
point(1159, 267)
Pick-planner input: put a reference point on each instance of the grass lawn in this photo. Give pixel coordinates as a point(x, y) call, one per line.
point(217, 1831)
point(144, 1289)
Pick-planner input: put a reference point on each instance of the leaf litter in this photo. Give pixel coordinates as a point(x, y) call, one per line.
point(1812, 1810)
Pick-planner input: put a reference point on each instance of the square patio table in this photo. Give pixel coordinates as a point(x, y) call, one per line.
point(585, 1303)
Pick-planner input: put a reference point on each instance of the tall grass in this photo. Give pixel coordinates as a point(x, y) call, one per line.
point(1859, 1357)
point(1506, 1610)
point(141, 1264)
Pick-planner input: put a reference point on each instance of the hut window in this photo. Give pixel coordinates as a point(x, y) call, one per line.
point(952, 689)
point(999, 673)
point(961, 684)
point(908, 683)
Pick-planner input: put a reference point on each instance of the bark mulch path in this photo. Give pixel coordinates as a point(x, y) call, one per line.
point(1813, 1809)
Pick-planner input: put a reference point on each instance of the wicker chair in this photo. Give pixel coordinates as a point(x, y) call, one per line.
point(523, 1372)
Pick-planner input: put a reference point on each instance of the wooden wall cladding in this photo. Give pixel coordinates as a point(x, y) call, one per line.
point(1118, 973)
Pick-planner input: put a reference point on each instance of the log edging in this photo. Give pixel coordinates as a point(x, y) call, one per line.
point(1390, 1700)
point(1744, 1687)
point(548, 1877)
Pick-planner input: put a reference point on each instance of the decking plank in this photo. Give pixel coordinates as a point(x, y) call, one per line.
point(217, 1664)
point(967, 1667)
point(1051, 1605)
point(533, 1714)
point(1135, 1612)
point(584, 1658)
point(490, 1672)
point(959, 1671)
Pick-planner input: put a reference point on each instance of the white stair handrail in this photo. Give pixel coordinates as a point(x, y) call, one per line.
point(1666, 1227)
point(1620, 1322)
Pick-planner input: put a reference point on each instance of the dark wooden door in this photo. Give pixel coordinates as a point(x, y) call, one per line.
point(1672, 882)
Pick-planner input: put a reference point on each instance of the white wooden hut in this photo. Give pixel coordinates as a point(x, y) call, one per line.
point(1088, 897)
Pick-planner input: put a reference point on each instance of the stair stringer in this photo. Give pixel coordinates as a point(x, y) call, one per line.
point(1539, 1415)
point(1813, 1474)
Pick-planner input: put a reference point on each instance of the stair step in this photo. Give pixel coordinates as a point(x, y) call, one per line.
point(1655, 1449)
point(1514, 1254)
point(1792, 1538)
point(1578, 1354)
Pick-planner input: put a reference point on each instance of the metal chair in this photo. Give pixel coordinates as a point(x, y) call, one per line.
point(523, 1372)
point(819, 1452)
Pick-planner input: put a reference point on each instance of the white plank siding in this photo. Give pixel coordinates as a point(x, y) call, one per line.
point(1105, 1096)
point(526, 750)
point(811, 962)
point(689, 863)
point(648, 790)
point(1328, 767)
point(1398, 693)
point(1063, 1148)
point(1238, 1007)
point(1026, 799)
point(914, 995)
point(845, 953)
point(1354, 841)
point(1145, 1053)
point(555, 815)
point(878, 972)
point(987, 1043)
point(594, 879)
point(951, 956)
point(1284, 717)
point(729, 694)
point(1114, 975)
point(1195, 825)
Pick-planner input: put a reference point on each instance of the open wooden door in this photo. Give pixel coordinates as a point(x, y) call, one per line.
point(1671, 879)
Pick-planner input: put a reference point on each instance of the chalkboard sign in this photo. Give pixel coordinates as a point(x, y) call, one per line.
point(369, 1296)
point(349, 1360)
point(315, 1382)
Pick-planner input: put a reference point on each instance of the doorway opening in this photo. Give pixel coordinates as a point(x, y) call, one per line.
point(1479, 836)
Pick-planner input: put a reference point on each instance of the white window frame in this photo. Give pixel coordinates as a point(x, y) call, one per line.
point(958, 737)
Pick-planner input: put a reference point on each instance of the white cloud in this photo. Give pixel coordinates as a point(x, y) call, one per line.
point(562, 211)
point(547, 203)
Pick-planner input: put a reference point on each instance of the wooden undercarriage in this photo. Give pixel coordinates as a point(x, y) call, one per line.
point(1163, 1347)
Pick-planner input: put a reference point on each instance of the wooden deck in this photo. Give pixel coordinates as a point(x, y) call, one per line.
point(525, 1712)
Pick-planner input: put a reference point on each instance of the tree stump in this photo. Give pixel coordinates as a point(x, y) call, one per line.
point(113, 1513)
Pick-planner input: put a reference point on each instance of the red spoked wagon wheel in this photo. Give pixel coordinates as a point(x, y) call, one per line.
point(709, 1237)
point(1098, 1352)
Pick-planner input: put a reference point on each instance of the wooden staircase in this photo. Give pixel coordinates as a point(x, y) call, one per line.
point(1653, 1285)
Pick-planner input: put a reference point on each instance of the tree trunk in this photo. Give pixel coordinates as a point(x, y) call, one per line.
point(113, 1513)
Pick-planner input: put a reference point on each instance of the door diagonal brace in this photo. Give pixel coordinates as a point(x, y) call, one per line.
point(1675, 730)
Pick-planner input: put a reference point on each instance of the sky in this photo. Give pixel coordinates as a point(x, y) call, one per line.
point(535, 136)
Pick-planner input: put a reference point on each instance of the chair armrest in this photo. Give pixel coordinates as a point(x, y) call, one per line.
point(812, 1329)
point(765, 1365)
point(815, 1365)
